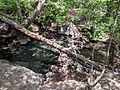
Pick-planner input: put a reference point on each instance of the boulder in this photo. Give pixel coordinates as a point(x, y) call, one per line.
point(13, 77)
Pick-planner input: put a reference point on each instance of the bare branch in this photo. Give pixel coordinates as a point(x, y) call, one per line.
point(113, 30)
point(19, 9)
point(97, 79)
point(34, 14)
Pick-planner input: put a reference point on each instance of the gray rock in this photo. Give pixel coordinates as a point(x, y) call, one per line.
point(13, 77)
point(18, 78)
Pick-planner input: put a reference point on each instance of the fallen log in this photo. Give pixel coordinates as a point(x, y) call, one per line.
point(67, 51)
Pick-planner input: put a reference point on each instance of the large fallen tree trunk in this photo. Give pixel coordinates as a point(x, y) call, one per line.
point(71, 54)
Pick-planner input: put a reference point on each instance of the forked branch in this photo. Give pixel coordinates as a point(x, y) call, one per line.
point(27, 22)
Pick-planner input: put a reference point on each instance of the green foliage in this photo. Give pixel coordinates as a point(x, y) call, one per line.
point(9, 7)
point(93, 12)
point(96, 13)
point(55, 13)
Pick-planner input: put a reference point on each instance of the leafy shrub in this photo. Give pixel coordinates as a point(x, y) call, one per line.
point(9, 7)
point(56, 13)
point(90, 13)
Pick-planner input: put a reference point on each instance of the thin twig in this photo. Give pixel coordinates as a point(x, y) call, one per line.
point(113, 30)
point(92, 84)
point(93, 51)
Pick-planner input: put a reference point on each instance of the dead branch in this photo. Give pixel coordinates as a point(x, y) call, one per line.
point(27, 22)
point(113, 29)
point(93, 83)
point(19, 9)
point(41, 38)
point(30, 34)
